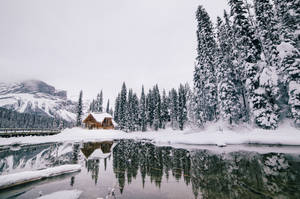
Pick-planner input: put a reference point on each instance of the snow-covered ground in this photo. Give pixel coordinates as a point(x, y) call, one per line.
point(210, 136)
point(29, 176)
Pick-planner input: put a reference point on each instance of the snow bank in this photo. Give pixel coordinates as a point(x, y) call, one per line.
point(285, 135)
point(67, 194)
point(29, 176)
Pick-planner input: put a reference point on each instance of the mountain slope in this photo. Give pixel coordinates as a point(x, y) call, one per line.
point(37, 97)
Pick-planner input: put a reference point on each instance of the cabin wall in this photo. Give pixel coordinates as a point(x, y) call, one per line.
point(107, 123)
point(93, 125)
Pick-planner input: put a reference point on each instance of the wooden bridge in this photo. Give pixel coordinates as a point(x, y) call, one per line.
point(17, 132)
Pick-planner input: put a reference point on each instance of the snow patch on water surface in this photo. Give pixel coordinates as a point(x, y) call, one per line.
point(66, 194)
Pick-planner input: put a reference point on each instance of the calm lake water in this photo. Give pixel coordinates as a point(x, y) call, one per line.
point(136, 169)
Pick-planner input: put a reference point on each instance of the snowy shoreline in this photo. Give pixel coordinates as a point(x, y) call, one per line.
point(212, 136)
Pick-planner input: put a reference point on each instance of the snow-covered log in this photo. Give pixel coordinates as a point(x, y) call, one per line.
point(10, 180)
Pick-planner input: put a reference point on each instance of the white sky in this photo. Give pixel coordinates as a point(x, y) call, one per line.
point(98, 44)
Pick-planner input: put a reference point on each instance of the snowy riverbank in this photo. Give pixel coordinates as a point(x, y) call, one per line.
point(209, 136)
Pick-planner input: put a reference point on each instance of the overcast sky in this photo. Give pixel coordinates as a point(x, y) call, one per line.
point(98, 44)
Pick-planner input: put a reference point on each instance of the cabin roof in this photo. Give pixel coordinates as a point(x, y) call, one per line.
point(99, 117)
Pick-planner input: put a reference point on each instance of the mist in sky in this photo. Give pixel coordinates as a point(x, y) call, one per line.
point(98, 44)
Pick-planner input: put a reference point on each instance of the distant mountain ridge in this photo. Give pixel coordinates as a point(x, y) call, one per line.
point(33, 87)
point(37, 97)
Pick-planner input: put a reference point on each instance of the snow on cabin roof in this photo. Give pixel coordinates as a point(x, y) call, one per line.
point(100, 116)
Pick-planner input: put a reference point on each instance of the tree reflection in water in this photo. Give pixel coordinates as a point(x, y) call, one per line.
point(230, 175)
point(94, 152)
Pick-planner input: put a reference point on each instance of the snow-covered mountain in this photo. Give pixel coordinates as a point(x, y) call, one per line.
point(34, 96)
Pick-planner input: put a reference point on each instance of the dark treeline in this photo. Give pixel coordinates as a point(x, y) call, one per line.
point(248, 66)
point(152, 110)
point(13, 119)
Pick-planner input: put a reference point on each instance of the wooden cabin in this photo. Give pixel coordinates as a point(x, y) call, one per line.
point(99, 121)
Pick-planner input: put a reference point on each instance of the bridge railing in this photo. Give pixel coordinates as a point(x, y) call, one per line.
point(27, 130)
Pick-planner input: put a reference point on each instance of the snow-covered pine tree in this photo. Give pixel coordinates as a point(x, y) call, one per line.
point(229, 107)
point(107, 106)
point(79, 110)
point(268, 31)
point(266, 110)
point(182, 109)
point(164, 110)
point(173, 108)
point(129, 112)
point(99, 102)
point(135, 112)
point(157, 108)
point(122, 117)
point(198, 96)
point(205, 84)
point(191, 105)
point(111, 111)
point(150, 108)
point(92, 106)
point(247, 54)
point(142, 111)
point(96, 104)
point(117, 105)
point(132, 111)
point(288, 15)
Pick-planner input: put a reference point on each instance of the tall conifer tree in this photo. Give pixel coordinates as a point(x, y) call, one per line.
point(117, 106)
point(150, 108)
point(107, 107)
point(182, 109)
point(229, 107)
point(79, 110)
point(164, 110)
point(122, 117)
point(247, 52)
point(265, 106)
point(142, 111)
point(288, 15)
point(157, 108)
point(205, 82)
point(173, 108)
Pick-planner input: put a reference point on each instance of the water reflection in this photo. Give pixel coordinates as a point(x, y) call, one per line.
point(97, 150)
point(206, 174)
point(232, 175)
point(94, 152)
point(32, 157)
